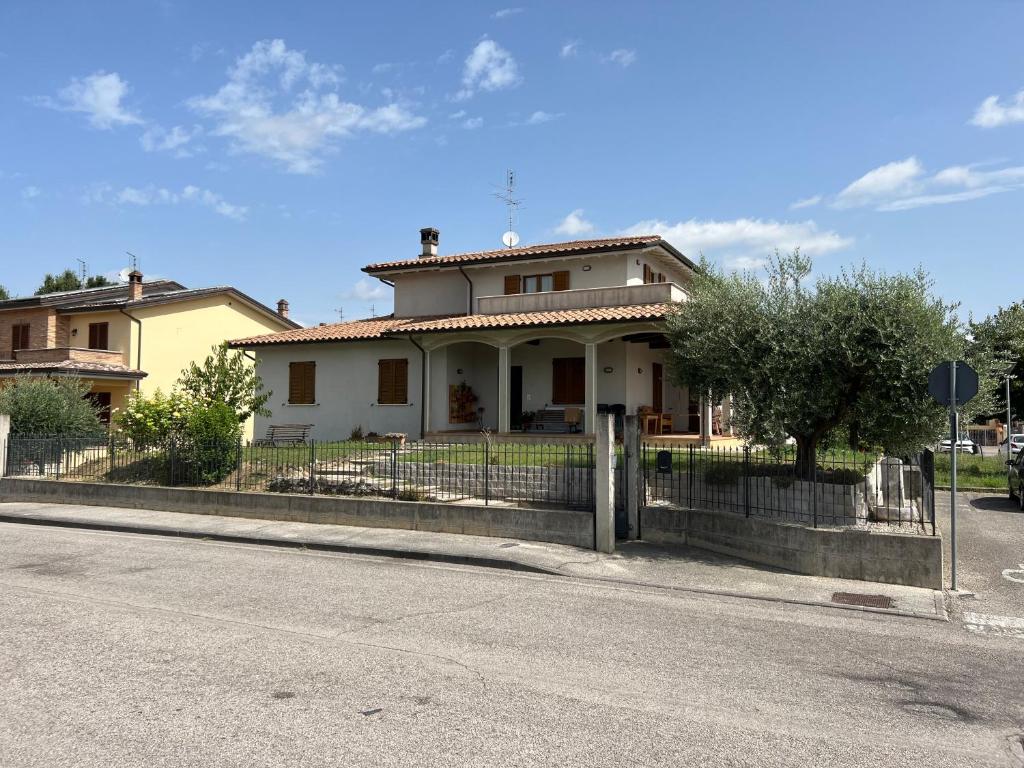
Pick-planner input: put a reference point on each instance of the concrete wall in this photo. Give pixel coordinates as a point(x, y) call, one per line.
point(438, 292)
point(605, 270)
point(580, 298)
point(867, 555)
point(557, 526)
point(346, 388)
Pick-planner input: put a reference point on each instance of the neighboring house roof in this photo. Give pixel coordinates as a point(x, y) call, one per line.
point(168, 297)
point(67, 298)
point(70, 368)
point(389, 327)
point(356, 330)
point(573, 247)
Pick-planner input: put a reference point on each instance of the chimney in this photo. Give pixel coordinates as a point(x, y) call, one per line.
point(282, 308)
point(428, 239)
point(134, 285)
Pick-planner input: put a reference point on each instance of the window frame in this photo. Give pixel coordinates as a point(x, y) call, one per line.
point(20, 332)
point(101, 329)
point(539, 278)
point(397, 364)
point(293, 367)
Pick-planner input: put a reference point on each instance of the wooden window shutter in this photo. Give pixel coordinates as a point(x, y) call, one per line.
point(302, 383)
point(511, 284)
point(648, 275)
point(98, 335)
point(393, 382)
point(561, 280)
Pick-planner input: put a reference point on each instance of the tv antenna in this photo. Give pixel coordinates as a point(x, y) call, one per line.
point(341, 314)
point(83, 270)
point(133, 267)
point(373, 310)
point(507, 196)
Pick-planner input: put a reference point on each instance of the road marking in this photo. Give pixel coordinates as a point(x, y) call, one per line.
point(1015, 574)
point(983, 624)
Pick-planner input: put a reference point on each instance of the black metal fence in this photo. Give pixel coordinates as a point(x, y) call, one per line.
point(559, 474)
point(847, 489)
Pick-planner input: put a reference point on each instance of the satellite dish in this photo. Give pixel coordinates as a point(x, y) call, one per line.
point(123, 275)
point(510, 239)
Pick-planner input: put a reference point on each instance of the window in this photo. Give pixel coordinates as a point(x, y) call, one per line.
point(19, 336)
point(98, 334)
point(650, 276)
point(511, 284)
point(101, 401)
point(393, 382)
point(302, 383)
point(556, 281)
point(568, 380)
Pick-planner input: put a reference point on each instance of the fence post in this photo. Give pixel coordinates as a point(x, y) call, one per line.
point(170, 461)
point(238, 464)
point(746, 480)
point(60, 454)
point(604, 491)
point(5, 431)
point(632, 472)
point(394, 468)
point(312, 466)
point(487, 472)
point(689, 477)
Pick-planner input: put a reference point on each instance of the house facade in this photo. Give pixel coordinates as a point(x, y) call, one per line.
point(535, 339)
point(128, 336)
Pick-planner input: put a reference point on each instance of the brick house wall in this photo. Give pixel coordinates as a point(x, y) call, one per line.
point(43, 328)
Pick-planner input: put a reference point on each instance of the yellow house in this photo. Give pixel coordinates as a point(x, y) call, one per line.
point(127, 336)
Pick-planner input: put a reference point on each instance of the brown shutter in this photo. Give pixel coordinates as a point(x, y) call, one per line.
point(561, 280)
point(401, 381)
point(392, 382)
point(302, 383)
point(511, 284)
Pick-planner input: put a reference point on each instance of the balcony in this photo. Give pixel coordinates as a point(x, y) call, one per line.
point(581, 298)
point(75, 354)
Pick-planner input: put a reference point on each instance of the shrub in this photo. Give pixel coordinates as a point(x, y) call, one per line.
point(151, 420)
point(357, 433)
point(50, 407)
point(207, 448)
point(723, 473)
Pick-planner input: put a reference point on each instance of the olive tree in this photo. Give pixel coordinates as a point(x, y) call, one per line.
point(52, 407)
point(845, 355)
point(225, 376)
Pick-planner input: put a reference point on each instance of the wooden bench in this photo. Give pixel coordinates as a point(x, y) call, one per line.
point(553, 421)
point(286, 434)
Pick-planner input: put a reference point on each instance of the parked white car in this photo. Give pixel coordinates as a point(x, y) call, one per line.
point(1016, 443)
point(963, 445)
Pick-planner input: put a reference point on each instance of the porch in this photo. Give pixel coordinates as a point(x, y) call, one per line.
point(551, 384)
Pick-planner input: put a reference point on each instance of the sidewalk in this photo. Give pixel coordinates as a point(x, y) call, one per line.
point(635, 563)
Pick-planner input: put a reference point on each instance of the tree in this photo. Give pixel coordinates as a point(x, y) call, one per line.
point(226, 377)
point(69, 281)
point(39, 406)
point(1001, 336)
point(4, 295)
point(847, 357)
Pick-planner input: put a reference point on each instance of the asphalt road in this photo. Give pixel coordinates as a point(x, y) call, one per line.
point(123, 650)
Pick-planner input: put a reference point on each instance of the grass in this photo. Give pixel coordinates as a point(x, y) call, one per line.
point(972, 471)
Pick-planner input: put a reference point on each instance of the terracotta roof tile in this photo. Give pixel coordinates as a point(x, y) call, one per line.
point(82, 367)
point(548, 249)
point(383, 327)
point(372, 328)
point(536, 319)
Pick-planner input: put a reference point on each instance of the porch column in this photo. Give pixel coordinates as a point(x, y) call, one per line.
point(504, 376)
point(590, 389)
point(706, 414)
point(425, 405)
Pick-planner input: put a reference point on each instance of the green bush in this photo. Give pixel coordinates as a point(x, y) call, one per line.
point(206, 450)
point(50, 407)
point(724, 473)
point(152, 420)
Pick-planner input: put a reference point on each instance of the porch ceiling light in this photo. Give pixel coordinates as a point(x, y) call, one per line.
point(608, 369)
point(639, 370)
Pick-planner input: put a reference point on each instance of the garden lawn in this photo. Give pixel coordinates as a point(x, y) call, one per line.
point(972, 471)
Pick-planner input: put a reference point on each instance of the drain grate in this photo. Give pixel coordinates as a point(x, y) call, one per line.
point(866, 601)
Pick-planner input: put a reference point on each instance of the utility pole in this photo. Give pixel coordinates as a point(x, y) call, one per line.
point(954, 434)
point(1009, 422)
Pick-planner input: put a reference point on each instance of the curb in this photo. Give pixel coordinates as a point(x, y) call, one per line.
point(440, 557)
point(351, 549)
point(972, 489)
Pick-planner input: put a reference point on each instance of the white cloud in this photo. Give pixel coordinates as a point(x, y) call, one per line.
point(903, 185)
point(366, 289)
point(380, 69)
point(158, 139)
point(152, 195)
point(489, 67)
point(30, 192)
point(569, 49)
point(473, 123)
point(99, 96)
point(308, 117)
point(504, 13)
point(992, 113)
point(574, 224)
point(738, 238)
point(458, 115)
point(540, 116)
point(746, 263)
point(622, 56)
point(806, 202)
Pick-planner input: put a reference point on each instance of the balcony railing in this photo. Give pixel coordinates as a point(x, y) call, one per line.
point(581, 298)
point(77, 354)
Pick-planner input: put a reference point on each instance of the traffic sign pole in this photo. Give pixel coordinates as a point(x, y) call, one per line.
point(954, 450)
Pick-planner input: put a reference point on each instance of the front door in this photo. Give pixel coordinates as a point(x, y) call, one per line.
point(693, 415)
point(515, 396)
point(656, 396)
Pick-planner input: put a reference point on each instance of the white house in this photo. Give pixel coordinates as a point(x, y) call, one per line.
point(535, 339)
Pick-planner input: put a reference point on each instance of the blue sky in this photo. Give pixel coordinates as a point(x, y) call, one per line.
point(279, 147)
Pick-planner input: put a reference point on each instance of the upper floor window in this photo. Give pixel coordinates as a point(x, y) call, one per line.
point(553, 281)
point(99, 335)
point(19, 336)
point(393, 382)
point(650, 276)
point(302, 383)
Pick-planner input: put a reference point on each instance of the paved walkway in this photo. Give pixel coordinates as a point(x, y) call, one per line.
point(676, 568)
